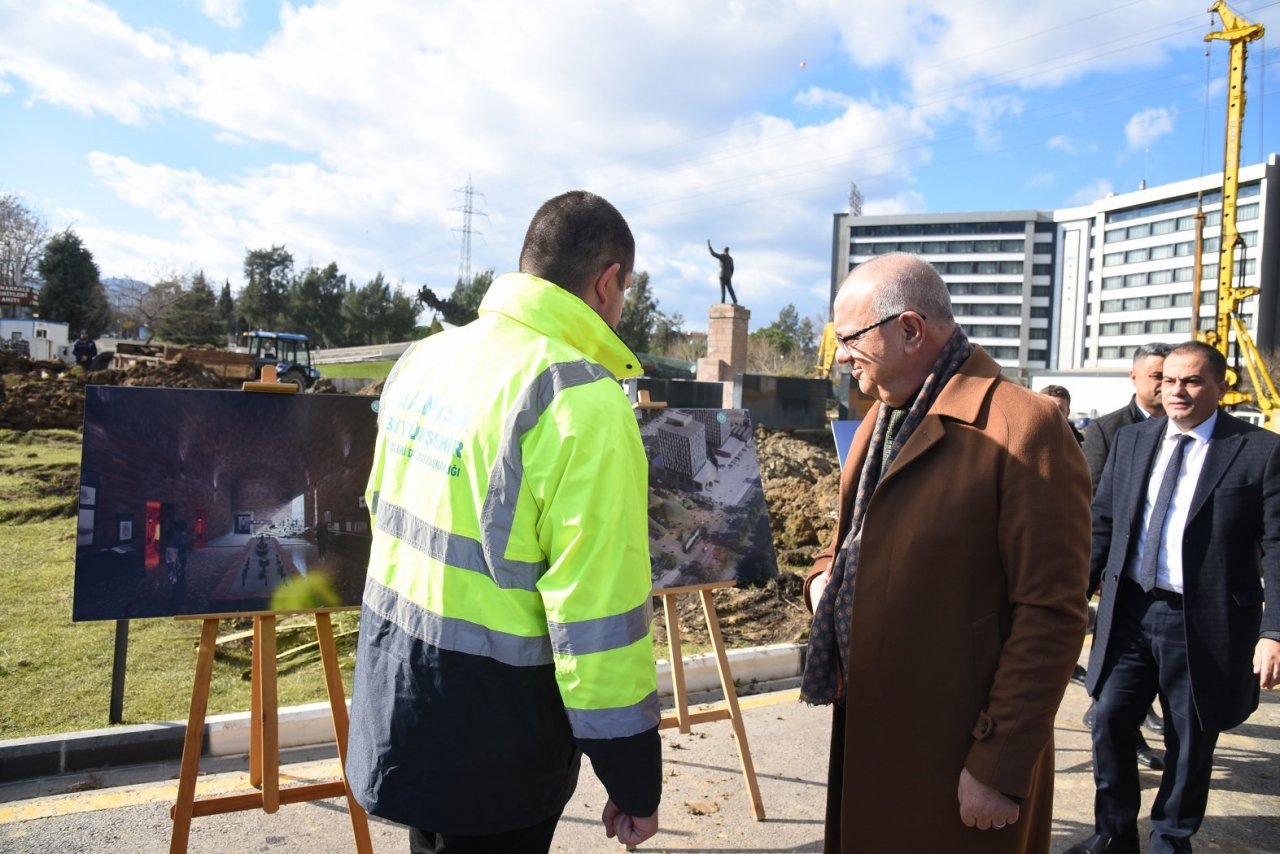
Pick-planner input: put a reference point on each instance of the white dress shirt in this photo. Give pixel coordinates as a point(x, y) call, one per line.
point(1169, 563)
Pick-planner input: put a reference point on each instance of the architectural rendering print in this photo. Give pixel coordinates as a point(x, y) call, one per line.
point(198, 503)
point(708, 523)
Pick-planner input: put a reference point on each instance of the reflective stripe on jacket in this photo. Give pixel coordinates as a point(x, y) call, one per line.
point(509, 506)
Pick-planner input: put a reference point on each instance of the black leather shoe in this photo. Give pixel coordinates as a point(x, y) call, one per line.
point(1078, 676)
point(1154, 722)
point(1089, 714)
point(1099, 844)
point(1148, 757)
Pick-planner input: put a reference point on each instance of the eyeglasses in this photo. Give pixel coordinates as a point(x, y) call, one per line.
point(846, 342)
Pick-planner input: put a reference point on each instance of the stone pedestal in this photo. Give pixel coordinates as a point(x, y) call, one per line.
point(726, 346)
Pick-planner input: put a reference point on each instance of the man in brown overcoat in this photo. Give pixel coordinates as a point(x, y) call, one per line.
point(951, 606)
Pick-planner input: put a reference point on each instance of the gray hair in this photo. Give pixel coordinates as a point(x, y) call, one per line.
point(908, 283)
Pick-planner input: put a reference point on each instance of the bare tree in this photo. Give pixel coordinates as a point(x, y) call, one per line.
point(23, 234)
point(143, 306)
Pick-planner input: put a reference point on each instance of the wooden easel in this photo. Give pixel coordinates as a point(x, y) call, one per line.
point(264, 736)
point(264, 722)
point(680, 717)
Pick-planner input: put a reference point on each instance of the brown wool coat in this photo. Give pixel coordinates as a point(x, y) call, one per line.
point(969, 614)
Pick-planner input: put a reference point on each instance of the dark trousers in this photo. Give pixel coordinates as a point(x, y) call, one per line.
point(1146, 655)
point(724, 284)
point(524, 840)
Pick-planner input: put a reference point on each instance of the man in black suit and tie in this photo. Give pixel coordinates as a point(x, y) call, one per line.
point(1147, 375)
point(1186, 536)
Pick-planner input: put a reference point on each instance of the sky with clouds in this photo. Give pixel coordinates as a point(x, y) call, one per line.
point(174, 136)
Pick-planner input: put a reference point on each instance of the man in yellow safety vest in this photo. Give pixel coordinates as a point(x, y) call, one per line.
point(506, 620)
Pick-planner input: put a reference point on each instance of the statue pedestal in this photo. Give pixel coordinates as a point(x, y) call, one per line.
point(726, 345)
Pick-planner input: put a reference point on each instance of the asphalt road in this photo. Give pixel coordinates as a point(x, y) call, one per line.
point(705, 806)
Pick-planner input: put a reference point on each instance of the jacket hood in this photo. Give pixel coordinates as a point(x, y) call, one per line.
point(552, 311)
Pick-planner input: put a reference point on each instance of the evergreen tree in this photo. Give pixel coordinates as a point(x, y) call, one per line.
point(192, 317)
point(365, 311)
point(315, 304)
point(639, 314)
point(265, 297)
point(227, 309)
point(72, 290)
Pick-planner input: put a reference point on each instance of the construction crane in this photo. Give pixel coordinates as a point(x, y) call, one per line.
point(1237, 32)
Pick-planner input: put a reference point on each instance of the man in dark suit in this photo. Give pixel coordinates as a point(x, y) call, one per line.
point(1186, 538)
point(1146, 374)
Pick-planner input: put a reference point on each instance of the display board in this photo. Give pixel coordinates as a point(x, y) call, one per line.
point(197, 502)
point(708, 521)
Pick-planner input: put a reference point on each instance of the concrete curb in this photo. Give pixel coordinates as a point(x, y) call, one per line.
point(754, 669)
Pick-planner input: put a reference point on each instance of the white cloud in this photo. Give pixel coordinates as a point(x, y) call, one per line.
point(1092, 192)
point(1063, 143)
point(80, 54)
point(1040, 179)
point(1147, 126)
point(906, 202)
point(816, 96)
point(224, 13)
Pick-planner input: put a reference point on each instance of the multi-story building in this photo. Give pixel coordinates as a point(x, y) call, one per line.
point(998, 266)
point(1083, 287)
point(1128, 266)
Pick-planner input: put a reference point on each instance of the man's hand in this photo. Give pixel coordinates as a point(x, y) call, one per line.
point(630, 830)
point(1266, 663)
point(982, 806)
point(816, 587)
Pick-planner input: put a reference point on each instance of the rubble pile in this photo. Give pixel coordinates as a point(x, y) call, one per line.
point(40, 395)
point(800, 479)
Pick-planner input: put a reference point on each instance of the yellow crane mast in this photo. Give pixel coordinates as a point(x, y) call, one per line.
point(1237, 32)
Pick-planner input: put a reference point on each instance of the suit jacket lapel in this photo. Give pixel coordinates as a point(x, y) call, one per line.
point(1145, 451)
point(1223, 448)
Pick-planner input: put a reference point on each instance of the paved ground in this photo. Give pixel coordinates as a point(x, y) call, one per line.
point(705, 807)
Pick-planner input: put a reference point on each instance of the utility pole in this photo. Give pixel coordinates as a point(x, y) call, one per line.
point(467, 210)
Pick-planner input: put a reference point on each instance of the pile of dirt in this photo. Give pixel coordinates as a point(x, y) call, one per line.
point(41, 395)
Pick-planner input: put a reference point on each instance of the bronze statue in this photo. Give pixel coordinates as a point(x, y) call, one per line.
point(726, 272)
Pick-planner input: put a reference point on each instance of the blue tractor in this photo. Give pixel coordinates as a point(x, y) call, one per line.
point(289, 352)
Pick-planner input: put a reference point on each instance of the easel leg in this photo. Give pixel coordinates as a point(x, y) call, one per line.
point(680, 695)
point(731, 700)
point(191, 745)
point(338, 706)
point(270, 720)
point(255, 707)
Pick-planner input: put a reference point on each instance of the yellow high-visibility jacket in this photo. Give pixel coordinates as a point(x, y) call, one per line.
point(506, 617)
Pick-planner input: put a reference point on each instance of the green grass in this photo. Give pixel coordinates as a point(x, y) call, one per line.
point(39, 474)
point(370, 370)
point(55, 675)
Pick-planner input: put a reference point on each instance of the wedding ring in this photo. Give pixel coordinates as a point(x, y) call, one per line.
point(998, 826)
